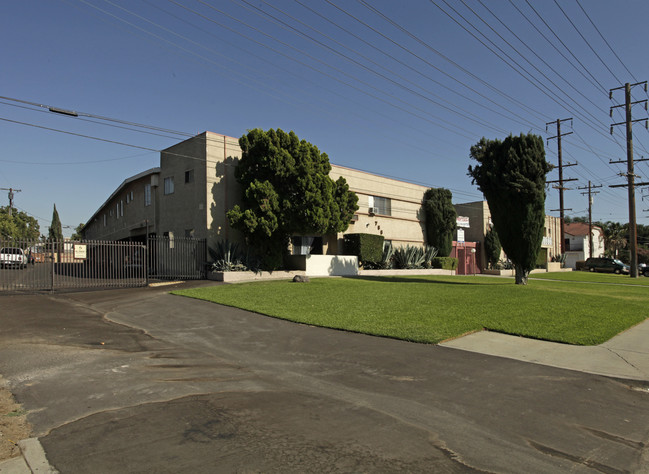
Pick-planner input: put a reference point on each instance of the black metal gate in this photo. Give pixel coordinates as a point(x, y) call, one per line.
point(34, 266)
point(177, 258)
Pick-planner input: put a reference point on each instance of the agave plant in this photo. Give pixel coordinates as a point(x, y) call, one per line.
point(408, 257)
point(430, 253)
point(227, 257)
point(388, 252)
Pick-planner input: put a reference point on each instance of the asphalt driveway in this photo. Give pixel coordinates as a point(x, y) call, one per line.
point(142, 381)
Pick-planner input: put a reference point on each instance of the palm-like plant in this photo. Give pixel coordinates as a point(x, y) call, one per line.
point(615, 236)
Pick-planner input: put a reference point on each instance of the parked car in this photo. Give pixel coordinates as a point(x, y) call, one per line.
point(605, 264)
point(643, 269)
point(12, 257)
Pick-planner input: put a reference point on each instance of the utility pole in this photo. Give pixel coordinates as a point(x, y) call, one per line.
point(631, 184)
point(590, 193)
point(561, 181)
point(11, 198)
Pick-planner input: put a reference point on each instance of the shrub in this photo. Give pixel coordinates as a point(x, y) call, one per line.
point(492, 248)
point(504, 265)
point(445, 263)
point(429, 254)
point(561, 258)
point(580, 265)
point(367, 247)
point(386, 260)
point(408, 257)
point(228, 257)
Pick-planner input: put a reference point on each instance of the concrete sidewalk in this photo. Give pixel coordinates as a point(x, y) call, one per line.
point(625, 356)
point(32, 461)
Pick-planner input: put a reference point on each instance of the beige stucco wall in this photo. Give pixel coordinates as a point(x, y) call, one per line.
point(222, 192)
point(552, 236)
point(184, 209)
point(200, 206)
point(405, 225)
point(133, 221)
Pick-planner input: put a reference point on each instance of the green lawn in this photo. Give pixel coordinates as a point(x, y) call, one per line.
point(593, 277)
point(431, 309)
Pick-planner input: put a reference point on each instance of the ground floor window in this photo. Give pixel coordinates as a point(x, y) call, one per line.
point(306, 245)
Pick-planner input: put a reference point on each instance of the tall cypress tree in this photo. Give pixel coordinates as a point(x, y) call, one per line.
point(56, 229)
point(441, 219)
point(511, 175)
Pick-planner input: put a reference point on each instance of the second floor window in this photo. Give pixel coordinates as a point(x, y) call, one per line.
point(380, 205)
point(147, 194)
point(169, 185)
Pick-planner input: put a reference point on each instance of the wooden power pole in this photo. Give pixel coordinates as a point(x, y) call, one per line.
point(11, 198)
point(630, 174)
point(590, 193)
point(561, 180)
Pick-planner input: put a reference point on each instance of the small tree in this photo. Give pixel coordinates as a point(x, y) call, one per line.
point(56, 229)
point(492, 247)
point(441, 219)
point(77, 232)
point(18, 226)
point(56, 233)
point(287, 191)
point(511, 175)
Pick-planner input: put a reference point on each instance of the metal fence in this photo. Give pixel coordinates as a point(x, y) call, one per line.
point(35, 266)
point(171, 258)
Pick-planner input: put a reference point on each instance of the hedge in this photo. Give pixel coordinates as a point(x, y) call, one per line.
point(367, 247)
point(445, 263)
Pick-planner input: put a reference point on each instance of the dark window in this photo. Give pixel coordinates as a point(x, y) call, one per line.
point(189, 176)
point(169, 185)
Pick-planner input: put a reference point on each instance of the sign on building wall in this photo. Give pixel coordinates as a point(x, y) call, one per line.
point(460, 234)
point(462, 221)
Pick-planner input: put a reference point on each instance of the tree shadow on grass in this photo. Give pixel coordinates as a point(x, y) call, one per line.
point(401, 279)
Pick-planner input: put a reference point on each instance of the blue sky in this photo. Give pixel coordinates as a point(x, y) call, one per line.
point(401, 89)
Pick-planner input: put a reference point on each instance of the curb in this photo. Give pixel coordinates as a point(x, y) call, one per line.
point(32, 461)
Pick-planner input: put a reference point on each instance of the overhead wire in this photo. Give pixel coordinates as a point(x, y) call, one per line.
point(586, 41)
point(436, 52)
point(518, 68)
point(344, 73)
point(516, 117)
point(605, 41)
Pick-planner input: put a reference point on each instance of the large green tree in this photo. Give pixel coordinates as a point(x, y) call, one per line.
point(441, 219)
point(18, 226)
point(287, 191)
point(511, 175)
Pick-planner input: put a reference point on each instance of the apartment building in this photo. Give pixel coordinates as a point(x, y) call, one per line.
point(189, 194)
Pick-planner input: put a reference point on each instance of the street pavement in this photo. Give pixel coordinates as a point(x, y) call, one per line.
point(142, 381)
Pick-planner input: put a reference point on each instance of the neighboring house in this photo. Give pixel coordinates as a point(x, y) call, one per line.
point(479, 223)
point(577, 243)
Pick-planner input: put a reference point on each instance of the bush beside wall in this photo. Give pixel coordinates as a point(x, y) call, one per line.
point(367, 247)
point(445, 263)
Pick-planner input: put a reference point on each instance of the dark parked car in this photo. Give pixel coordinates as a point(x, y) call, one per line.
point(605, 264)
